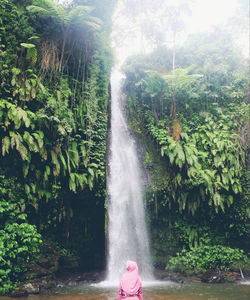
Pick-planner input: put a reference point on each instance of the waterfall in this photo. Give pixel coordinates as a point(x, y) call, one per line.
point(127, 232)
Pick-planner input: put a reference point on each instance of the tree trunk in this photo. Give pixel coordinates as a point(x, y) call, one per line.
point(67, 218)
point(65, 36)
point(173, 104)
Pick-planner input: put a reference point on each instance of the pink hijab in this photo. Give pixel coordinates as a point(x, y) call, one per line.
point(131, 281)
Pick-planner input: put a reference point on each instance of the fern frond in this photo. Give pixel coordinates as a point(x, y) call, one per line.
point(5, 145)
point(48, 8)
point(80, 11)
point(73, 155)
point(83, 151)
point(30, 142)
point(38, 139)
point(33, 187)
point(91, 172)
point(68, 161)
point(91, 182)
point(79, 180)
point(25, 169)
point(38, 10)
point(23, 151)
point(93, 25)
point(16, 140)
point(63, 162)
point(72, 183)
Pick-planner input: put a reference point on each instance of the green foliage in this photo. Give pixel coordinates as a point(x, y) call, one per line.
point(202, 146)
point(55, 66)
point(192, 122)
point(193, 235)
point(207, 257)
point(212, 157)
point(19, 240)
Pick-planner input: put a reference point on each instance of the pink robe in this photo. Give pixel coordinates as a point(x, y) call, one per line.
point(130, 283)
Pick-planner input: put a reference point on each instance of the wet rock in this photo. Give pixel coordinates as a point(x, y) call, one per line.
point(18, 293)
point(171, 275)
point(31, 288)
point(25, 289)
point(35, 286)
point(232, 276)
point(213, 276)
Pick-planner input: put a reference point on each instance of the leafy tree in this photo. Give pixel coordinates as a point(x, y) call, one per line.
point(196, 160)
point(78, 16)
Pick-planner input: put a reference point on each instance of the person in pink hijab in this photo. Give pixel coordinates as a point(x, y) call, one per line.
point(130, 283)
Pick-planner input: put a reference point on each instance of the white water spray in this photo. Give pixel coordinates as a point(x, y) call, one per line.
point(128, 239)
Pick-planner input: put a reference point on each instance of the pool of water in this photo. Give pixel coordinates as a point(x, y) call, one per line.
point(160, 291)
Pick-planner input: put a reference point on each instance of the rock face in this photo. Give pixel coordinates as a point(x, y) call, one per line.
point(212, 276)
point(217, 276)
point(37, 283)
point(40, 276)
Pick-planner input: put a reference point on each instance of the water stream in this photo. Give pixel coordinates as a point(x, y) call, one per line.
point(127, 230)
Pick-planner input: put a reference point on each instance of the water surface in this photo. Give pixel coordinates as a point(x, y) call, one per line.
point(160, 292)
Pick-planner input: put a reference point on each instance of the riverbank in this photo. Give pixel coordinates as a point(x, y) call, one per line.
point(210, 276)
point(165, 290)
point(44, 282)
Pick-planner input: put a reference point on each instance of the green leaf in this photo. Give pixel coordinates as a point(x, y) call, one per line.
point(28, 46)
point(5, 145)
point(34, 37)
point(27, 189)
point(91, 182)
point(63, 162)
point(25, 169)
point(178, 178)
point(83, 151)
point(72, 183)
point(91, 172)
point(23, 151)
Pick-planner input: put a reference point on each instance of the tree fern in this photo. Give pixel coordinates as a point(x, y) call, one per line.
point(78, 16)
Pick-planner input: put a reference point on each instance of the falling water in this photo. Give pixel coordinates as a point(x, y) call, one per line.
point(127, 231)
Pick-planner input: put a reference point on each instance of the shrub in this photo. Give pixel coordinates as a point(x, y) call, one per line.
point(19, 241)
point(206, 257)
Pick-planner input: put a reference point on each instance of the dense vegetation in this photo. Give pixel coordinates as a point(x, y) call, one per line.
point(54, 67)
point(188, 105)
point(191, 117)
